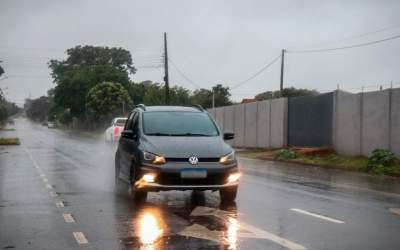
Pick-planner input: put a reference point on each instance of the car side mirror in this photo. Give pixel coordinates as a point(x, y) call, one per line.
point(229, 136)
point(128, 134)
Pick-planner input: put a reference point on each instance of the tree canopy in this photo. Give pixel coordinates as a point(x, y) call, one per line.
point(106, 100)
point(287, 92)
point(204, 97)
point(84, 68)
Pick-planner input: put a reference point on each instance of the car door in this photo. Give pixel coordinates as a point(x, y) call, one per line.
point(129, 146)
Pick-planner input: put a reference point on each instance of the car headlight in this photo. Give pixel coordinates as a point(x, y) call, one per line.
point(153, 158)
point(227, 159)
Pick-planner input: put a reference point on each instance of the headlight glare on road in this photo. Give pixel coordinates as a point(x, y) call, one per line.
point(227, 159)
point(153, 158)
point(233, 177)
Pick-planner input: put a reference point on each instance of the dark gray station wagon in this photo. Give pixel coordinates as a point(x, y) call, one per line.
point(174, 148)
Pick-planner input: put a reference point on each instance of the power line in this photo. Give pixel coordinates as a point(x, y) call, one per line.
point(256, 74)
point(344, 47)
point(183, 75)
point(358, 35)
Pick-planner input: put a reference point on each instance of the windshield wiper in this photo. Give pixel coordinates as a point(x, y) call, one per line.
point(159, 134)
point(190, 134)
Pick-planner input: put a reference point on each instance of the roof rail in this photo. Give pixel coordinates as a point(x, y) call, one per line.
point(199, 107)
point(141, 106)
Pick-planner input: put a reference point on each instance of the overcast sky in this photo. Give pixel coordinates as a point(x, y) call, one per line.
point(211, 41)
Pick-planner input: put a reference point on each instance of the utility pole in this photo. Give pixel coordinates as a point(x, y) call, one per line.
point(166, 79)
point(282, 69)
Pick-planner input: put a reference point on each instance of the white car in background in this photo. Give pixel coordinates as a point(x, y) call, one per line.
point(113, 133)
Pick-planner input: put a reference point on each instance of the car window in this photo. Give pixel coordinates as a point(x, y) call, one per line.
point(120, 122)
point(128, 124)
point(178, 123)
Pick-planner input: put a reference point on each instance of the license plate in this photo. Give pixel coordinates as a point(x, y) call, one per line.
point(193, 173)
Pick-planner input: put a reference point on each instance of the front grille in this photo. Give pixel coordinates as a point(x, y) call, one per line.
point(175, 179)
point(209, 159)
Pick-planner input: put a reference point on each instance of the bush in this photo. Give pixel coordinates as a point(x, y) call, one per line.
point(381, 161)
point(285, 154)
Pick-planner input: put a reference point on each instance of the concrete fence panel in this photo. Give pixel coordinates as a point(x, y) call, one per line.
point(394, 136)
point(278, 122)
point(229, 121)
point(263, 124)
point(250, 139)
point(347, 123)
point(219, 117)
point(239, 125)
point(375, 121)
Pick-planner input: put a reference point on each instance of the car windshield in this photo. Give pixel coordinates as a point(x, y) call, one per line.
point(120, 122)
point(178, 124)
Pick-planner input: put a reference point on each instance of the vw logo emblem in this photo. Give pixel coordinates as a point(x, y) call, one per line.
point(193, 160)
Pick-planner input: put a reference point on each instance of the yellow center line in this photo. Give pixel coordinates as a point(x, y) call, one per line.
point(80, 238)
point(53, 194)
point(395, 210)
point(68, 218)
point(59, 204)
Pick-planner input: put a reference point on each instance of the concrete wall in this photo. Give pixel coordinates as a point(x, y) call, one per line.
point(258, 124)
point(278, 122)
point(367, 121)
point(361, 122)
point(347, 123)
point(394, 136)
point(375, 121)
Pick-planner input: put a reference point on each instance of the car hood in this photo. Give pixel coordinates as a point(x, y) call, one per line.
point(185, 146)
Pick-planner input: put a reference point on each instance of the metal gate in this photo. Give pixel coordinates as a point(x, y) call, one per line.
point(310, 120)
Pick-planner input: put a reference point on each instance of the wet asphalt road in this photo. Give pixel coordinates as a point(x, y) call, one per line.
point(57, 192)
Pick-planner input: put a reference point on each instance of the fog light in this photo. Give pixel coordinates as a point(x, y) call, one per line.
point(149, 177)
point(233, 177)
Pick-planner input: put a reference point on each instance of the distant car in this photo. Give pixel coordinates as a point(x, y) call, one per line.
point(51, 125)
point(113, 133)
point(175, 148)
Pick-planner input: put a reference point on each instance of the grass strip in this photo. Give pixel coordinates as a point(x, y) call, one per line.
point(9, 141)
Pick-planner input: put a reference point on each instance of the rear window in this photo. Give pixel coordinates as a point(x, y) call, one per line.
point(120, 122)
point(178, 124)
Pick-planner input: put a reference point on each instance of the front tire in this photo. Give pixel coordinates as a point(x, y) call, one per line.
point(228, 195)
point(120, 186)
point(138, 195)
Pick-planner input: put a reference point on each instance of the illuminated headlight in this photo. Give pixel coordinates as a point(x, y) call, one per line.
point(227, 159)
point(233, 177)
point(153, 158)
point(149, 177)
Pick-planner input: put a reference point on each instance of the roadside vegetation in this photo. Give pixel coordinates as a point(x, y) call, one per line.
point(95, 83)
point(380, 162)
point(9, 141)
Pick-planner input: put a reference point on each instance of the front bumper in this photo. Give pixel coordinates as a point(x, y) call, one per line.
point(168, 177)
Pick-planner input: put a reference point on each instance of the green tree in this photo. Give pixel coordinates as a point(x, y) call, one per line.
point(107, 100)
point(204, 96)
point(287, 92)
point(154, 94)
point(84, 68)
point(38, 109)
point(1, 70)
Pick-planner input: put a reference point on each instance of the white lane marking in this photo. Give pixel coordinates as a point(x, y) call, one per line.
point(49, 186)
point(317, 215)
point(69, 218)
point(395, 210)
point(32, 159)
point(80, 238)
point(45, 180)
point(250, 231)
point(53, 194)
point(60, 204)
point(42, 175)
